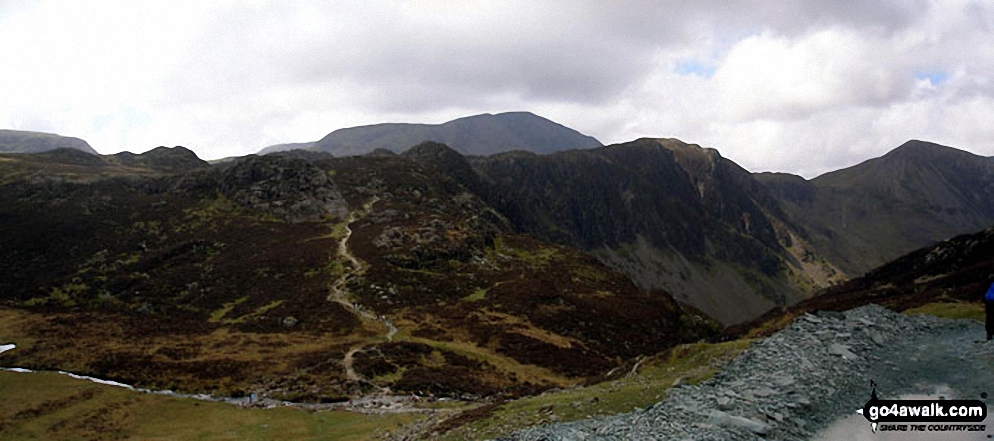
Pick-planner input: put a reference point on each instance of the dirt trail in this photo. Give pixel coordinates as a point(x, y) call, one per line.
point(350, 373)
point(337, 291)
point(339, 294)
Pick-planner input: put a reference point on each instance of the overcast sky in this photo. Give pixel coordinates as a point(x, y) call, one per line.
point(803, 88)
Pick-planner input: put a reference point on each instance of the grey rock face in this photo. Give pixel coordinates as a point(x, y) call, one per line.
point(289, 188)
point(720, 418)
point(842, 351)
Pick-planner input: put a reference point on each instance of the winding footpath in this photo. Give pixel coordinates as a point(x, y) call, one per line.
point(339, 294)
point(381, 402)
point(794, 384)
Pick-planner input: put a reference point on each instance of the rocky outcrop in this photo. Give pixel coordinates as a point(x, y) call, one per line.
point(289, 188)
point(168, 159)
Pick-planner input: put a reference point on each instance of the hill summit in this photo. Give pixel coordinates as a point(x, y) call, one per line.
point(473, 135)
point(18, 141)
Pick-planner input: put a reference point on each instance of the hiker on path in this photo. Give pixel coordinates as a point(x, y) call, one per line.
point(989, 306)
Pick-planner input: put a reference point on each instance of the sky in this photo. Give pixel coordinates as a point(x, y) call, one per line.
point(803, 87)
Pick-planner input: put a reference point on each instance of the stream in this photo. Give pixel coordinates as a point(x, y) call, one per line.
point(379, 403)
point(370, 404)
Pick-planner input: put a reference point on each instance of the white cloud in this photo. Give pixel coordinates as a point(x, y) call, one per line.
point(829, 96)
point(801, 87)
point(766, 76)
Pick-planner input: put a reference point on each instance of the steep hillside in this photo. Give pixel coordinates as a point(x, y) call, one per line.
point(949, 277)
point(305, 279)
point(475, 135)
point(956, 269)
point(865, 215)
point(670, 215)
point(17, 141)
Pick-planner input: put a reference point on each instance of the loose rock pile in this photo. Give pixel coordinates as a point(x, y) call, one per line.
point(796, 382)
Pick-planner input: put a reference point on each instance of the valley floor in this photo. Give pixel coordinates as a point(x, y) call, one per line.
point(57, 407)
point(787, 386)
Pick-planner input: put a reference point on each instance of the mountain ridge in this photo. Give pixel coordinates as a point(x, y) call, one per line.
point(472, 135)
point(682, 218)
point(19, 141)
point(867, 214)
point(311, 278)
point(671, 215)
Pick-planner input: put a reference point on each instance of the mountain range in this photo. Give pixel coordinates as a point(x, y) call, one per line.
point(313, 276)
point(473, 135)
point(682, 218)
point(304, 278)
point(866, 215)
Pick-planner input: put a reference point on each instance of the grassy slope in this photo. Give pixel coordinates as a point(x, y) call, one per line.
point(690, 363)
point(55, 407)
point(954, 310)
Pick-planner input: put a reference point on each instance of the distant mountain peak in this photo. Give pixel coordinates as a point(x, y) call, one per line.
point(503, 115)
point(482, 134)
point(19, 141)
point(925, 151)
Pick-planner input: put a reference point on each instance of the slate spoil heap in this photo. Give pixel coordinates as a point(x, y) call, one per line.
point(796, 382)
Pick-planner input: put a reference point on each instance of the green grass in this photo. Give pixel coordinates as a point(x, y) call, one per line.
point(685, 364)
point(258, 312)
point(503, 363)
point(55, 407)
point(476, 296)
point(951, 310)
point(218, 314)
point(588, 273)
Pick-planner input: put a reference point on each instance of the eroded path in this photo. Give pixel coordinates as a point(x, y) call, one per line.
point(338, 292)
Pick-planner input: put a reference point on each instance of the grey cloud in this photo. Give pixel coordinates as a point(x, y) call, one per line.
point(571, 52)
point(254, 69)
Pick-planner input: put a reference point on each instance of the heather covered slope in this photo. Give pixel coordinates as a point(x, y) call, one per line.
point(17, 141)
point(474, 135)
point(670, 215)
point(863, 216)
point(306, 279)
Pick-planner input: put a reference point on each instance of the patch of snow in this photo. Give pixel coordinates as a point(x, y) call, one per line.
point(18, 370)
point(97, 380)
point(5, 348)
